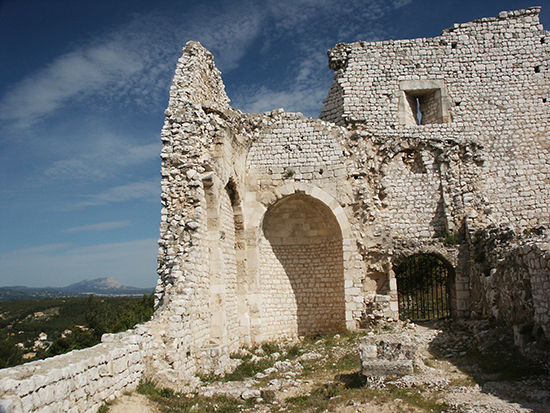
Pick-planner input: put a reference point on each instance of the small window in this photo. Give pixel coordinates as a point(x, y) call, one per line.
point(424, 106)
point(423, 103)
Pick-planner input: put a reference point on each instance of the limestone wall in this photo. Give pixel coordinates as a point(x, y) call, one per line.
point(488, 79)
point(302, 270)
point(419, 140)
point(415, 202)
point(511, 276)
point(76, 382)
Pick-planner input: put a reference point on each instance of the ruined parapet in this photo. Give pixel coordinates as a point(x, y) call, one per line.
point(183, 316)
point(79, 381)
point(197, 79)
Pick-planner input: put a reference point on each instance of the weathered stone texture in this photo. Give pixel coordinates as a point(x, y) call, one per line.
point(511, 276)
point(77, 382)
point(387, 355)
point(276, 225)
point(493, 76)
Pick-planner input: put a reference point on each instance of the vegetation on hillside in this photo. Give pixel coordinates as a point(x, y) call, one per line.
point(35, 329)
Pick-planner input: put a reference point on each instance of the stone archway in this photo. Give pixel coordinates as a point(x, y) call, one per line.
point(301, 268)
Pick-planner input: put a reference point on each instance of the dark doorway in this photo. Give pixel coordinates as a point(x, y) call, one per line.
point(423, 288)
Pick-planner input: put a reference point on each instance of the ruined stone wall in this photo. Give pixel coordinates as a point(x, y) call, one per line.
point(420, 140)
point(76, 382)
point(511, 276)
point(185, 336)
point(489, 78)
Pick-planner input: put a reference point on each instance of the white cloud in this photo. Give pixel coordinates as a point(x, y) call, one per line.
point(132, 65)
point(293, 100)
point(311, 27)
point(103, 157)
point(80, 72)
point(229, 35)
point(100, 226)
point(144, 191)
point(132, 263)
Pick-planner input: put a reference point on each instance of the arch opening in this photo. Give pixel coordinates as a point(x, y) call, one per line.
point(424, 288)
point(225, 231)
point(302, 269)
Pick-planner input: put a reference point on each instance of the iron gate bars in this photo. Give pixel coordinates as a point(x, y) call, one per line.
point(422, 288)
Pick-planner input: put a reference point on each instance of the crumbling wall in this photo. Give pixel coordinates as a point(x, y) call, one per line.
point(491, 78)
point(511, 276)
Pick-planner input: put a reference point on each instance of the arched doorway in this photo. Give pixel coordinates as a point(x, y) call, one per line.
point(301, 269)
point(423, 288)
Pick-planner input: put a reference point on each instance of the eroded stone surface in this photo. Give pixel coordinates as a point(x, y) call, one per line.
point(387, 355)
point(276, 226)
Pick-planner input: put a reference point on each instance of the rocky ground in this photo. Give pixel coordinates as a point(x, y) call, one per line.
point(468, 366)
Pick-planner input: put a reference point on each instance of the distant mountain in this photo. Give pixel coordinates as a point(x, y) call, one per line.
point(99, 286)
point(104, 286)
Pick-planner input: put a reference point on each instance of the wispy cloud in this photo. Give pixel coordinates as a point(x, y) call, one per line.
point(145, 191)
point(227, 33)
point(133, 64)
point(105, 157)
point(100, 226)
point(131, 263)
point(82, 71)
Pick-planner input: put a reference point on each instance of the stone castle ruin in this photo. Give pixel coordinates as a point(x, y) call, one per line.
point(279, 225)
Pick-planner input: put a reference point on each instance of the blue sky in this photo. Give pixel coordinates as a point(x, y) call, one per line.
point(83, 88)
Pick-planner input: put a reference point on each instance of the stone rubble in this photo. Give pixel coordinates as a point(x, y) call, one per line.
point(277, 226)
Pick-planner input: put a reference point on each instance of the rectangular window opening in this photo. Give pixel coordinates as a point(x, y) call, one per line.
point(424, 107)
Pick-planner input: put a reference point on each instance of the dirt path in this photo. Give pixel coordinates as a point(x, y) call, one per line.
point(133, 403)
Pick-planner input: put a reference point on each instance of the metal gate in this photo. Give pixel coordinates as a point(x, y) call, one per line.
point(422, 288)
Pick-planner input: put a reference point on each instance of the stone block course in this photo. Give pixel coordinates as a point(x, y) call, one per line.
point(73, 382)
point(278, 225)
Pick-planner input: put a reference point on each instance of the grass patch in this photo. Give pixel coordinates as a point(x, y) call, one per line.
point(270, 348)
point(414, 397)
point(318, 399)
point(351, 388)
point(104, 408)
point(349, 361)
point(249, 368)
point(293, 351)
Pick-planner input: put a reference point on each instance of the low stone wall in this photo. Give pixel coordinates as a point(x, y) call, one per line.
point(76, 382)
